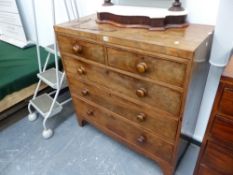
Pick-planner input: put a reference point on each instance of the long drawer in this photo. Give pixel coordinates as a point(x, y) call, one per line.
point(159, 69)
point(222, 129)
point(204, 170)
point(81, 48)
point(152, 94)
point(217, 158)
point(143, 116)
point(124, 129)
point(226, 102)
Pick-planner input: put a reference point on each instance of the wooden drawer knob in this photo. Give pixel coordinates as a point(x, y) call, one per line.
point(141, 117)
point(141, 139)
point(90, 112)
point(142, 67)
point(81, 70)
point(142, 92)
point(77, 48)
point(85, 92)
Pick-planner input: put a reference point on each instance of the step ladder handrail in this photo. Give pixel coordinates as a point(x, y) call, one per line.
point(55, 46)
point(67, 10)
point(37, 35)
point(72, 8)
point(76, 9)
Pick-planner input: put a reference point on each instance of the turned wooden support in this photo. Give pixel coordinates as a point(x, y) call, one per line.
point(107, 2)
point(176, 6)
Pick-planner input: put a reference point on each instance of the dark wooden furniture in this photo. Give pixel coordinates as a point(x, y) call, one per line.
point(216, 155)
point(142, 17)
point(133, 84)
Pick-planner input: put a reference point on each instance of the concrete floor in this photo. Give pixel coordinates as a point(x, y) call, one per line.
point(73, 150)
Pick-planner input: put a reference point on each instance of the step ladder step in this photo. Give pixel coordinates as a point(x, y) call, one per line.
point(49, 77)
point(43, 103)
point(50, 49)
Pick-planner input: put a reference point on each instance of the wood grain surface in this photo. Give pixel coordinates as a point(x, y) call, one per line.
point(123, 128)
point(154, 95)
point(132, 84)
point(154, 68)
point(216, 154)
point(157, 123)
point(181, 42)
point(88, 50)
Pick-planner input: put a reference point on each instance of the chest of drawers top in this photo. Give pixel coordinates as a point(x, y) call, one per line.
point(180, 42)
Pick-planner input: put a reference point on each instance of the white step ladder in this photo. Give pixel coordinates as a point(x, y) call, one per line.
point(46, 105)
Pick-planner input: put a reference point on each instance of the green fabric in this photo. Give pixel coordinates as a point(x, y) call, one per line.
point(18, 67)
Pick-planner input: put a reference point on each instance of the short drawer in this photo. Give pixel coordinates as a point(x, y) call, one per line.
point(152, 94)
point(125, 130)
point(219, 159)
point(226, 102)
point(81, 48)
point(145, 117)
point(203, 170)
point(222, 129)
point(151, 67)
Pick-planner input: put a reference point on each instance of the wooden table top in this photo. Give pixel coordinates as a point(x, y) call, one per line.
point(168, 42)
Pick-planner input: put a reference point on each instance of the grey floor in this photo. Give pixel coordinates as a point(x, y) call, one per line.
point(73, 151)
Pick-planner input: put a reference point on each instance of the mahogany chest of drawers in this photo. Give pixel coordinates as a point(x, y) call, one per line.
point(216, 156)
point(136, 85)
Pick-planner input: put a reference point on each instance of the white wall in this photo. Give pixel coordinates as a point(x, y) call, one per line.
point(222, 45)
point(202, 12)
point(44, 16)
point(146, 3)
point(86, 7)
point(223, 41)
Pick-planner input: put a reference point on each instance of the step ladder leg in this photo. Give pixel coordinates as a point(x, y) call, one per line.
point(47, 133)
point(32, 116)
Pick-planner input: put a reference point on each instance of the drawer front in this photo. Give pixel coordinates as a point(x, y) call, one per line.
point(143, 116)
point(153, 68)
point(203, 170)
point(218, 159)
point(139, 138)
point(158, 96)
point(222, 129)
point(226, 102)
point(83, 49)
